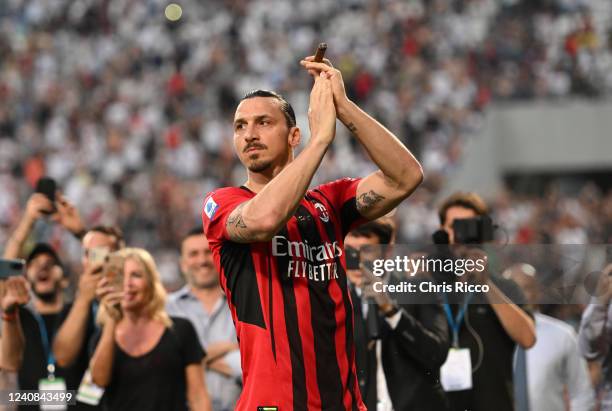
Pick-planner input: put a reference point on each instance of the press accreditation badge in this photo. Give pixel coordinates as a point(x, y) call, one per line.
point(89, 393)
point(52, 384)
point(456, 372)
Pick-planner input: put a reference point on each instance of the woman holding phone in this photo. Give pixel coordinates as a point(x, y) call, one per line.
point(145, 359)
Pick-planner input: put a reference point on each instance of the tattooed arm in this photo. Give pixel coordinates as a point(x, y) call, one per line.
point(236, 227)
point(399, 172)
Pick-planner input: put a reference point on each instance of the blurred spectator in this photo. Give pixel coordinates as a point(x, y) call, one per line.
point(78, 328)
point(203, 302)
point(42, 317)
point(40, 320)
point(144, 358)
point(595, 332)
point(76, 331)
point(554, 363)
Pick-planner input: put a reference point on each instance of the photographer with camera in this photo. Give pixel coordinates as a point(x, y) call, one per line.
point(394, 344)
point(145, 359)
point(485, 329)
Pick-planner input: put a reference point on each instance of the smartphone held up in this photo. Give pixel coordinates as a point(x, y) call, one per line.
point(113, 270)
point(48, 187)
point(11, 268)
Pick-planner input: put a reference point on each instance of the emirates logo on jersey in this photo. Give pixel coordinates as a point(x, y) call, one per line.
point(313, 262)
point(282, 247)
point(323, 215)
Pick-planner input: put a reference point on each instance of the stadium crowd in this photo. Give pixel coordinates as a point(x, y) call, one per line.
point(130, 113)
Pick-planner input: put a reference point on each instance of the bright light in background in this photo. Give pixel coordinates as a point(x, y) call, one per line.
point(173, 12)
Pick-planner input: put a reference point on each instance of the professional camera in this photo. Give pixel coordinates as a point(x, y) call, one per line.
point(476, 230)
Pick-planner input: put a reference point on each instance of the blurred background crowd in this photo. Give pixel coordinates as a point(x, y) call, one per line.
point(131, 113)
point(130, 109)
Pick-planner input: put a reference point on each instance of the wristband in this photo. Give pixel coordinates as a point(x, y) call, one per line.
point(9, 316)
point(388, 310)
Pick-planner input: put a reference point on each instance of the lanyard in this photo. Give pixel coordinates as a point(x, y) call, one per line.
point(94, 310)
point(455, 323)
point(46, 344)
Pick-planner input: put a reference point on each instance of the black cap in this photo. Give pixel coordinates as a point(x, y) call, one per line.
point(43, 248)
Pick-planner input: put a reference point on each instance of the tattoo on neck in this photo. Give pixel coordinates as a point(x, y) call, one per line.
point(368, 200)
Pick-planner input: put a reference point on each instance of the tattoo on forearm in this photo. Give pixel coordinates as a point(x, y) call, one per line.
point(368, 200)
point(352, 128)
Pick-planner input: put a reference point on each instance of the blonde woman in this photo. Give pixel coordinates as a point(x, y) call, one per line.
point(145, 359)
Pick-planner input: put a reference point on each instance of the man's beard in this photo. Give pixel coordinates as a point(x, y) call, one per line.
point(257, 166)
point(47, 297)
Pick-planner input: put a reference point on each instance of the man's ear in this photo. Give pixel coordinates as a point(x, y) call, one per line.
point(294, 137)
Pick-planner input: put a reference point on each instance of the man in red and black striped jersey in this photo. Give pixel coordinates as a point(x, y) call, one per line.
point(279, 246)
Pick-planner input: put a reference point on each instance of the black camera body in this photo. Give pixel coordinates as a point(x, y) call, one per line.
point(475, 230)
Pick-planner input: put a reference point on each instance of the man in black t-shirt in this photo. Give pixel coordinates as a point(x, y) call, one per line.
point(491, 325)
point(42, 316)
point(40, 320)
point(492, 350)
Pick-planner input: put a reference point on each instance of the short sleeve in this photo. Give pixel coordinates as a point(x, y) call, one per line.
point(191, 350)
point(232, 359)
point(342, 195)
point(218, 205)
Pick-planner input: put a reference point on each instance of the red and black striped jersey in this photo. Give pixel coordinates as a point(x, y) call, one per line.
point(290, 302)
